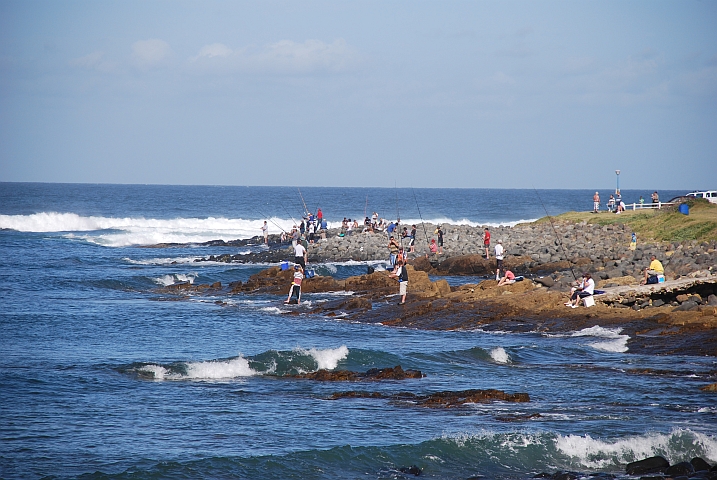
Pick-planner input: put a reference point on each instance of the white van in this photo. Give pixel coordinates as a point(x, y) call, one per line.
point(710, 195)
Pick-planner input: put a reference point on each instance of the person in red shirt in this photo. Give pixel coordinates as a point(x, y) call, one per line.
point(486, 243)
point(507, 279)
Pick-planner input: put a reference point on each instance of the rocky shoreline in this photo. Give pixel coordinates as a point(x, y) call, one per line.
point(536, 248)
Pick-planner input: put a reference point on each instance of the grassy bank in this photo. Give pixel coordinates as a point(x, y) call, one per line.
point(667, 224)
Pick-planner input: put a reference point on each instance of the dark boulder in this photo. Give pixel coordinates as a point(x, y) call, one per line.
point(682, 468)
point(648, 465)
point(700, 464)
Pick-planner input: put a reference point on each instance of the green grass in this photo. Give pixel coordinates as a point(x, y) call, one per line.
point(663, 225)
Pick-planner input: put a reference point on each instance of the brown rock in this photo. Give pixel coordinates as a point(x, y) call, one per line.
point(395, 373)
point(446, 399)
point(682, 298)
point(709, 388)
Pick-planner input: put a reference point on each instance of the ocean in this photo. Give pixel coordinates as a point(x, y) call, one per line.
point(103, 376)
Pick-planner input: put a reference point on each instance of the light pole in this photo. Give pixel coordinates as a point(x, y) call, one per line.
point(617, 172)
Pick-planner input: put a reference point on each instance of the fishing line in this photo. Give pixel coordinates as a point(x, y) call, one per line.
point(550, 219)
point(272, 221)
point(419, 215)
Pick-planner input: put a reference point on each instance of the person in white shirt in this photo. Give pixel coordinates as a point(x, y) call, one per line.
point(265, 232)
point(499, 257)
point(586, 289)
point(300, 255)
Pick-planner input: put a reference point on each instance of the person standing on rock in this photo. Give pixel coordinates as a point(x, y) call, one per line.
point(486, 243)
point(265, 232)
point(499, 259)
point(596, 202)
point(295, 289)
point(412, 243)
point(402, 275)
point(300, 255)
point(439, 232)
point(393, 248)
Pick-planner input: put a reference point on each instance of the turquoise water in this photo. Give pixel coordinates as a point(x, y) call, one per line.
point(103, 376)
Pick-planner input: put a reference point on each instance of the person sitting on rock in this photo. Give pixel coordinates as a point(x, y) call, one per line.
point(653, 270)
point(433, 247)
point(507, 279)
point(586, 289)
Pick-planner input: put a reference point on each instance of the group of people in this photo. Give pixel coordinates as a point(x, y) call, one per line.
point(615, 204)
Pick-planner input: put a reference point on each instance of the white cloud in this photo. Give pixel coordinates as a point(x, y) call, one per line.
point(213, 50)
point(150, 53)
point(284, 56)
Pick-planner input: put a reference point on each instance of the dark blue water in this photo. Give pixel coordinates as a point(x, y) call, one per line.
point(103, 376)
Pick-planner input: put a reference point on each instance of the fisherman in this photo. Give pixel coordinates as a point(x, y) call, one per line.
point(499, 259)
point(653, 270)
point(402, 275)
point(507, 279)
point(300, 254)
point(486, 243)
point(393, 248)
point(412, 243)
point(265, 232)
point(320, 217)
point(585, 289)
point(295, 289)
point(439, 232)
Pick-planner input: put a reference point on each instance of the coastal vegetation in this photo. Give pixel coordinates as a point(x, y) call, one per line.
point(667, 224)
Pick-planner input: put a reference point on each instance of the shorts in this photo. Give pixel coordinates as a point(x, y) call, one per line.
point(500, 263)
point(486, 244)
point(402, 288)
point(440, 242)
point(300, 261)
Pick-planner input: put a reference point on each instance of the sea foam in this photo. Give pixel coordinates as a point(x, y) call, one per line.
point(615, 342)
point(499, 355)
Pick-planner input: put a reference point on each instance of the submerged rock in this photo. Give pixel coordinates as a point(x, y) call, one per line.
point(446, 399)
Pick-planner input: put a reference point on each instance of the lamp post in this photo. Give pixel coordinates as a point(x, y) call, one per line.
point(617, 172)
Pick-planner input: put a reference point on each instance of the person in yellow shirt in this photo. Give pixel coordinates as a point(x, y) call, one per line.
point(655, 268)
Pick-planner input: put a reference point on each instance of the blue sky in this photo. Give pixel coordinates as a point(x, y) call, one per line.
point(513, 94)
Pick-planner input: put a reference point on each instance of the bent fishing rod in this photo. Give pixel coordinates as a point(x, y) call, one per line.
point(272, 221)
point(560, 242)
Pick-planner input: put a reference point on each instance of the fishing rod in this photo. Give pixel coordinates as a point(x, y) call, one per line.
point(272, 221)
point(302, 201)
point(550, 219)
point(398, 215)
point(419, 215)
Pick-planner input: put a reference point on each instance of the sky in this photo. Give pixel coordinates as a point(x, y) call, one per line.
point(467, 94)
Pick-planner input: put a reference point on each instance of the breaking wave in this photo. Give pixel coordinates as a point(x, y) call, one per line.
point(127, 231)
point(272, 362)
